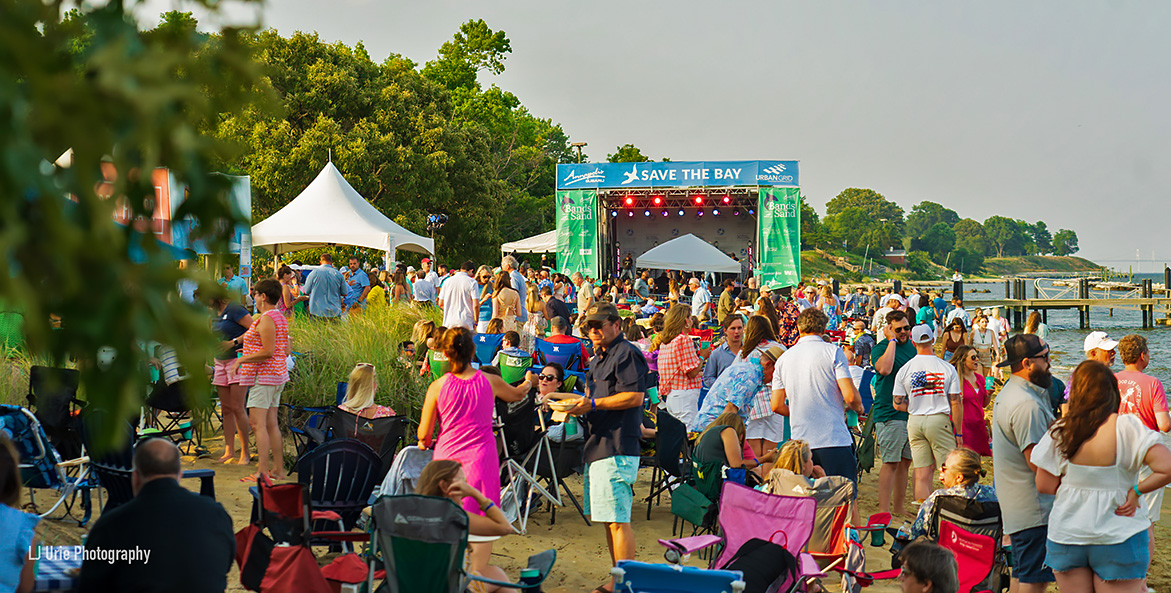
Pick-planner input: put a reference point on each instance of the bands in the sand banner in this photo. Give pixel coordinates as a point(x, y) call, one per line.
point(780, 235)
point(577, 232)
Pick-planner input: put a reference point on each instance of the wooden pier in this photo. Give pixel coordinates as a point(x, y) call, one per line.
point(1018, 307)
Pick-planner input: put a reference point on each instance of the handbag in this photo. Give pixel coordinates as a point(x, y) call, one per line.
point(764, 563)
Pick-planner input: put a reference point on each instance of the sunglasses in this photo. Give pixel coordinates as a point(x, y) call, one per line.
point(905, 328)
point(546, 377)
point(366, 364)
point(595, 324)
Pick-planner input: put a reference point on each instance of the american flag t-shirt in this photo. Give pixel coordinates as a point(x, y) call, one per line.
point(925, 383)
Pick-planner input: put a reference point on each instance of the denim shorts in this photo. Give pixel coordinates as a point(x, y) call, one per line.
point(1112, 562)
point(609, 488)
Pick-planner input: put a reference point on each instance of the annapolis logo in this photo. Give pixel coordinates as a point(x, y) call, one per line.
point(775, 174)
point(595, 176)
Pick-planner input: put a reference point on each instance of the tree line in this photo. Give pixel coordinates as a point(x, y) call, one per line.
point(863, 220)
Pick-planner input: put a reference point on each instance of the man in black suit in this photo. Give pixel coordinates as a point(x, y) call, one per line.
point(178, 540)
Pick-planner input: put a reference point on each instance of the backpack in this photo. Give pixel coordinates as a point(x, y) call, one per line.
point(763, 563)
point(866, 448)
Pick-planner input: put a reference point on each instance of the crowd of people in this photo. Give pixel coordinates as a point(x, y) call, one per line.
point(767, 378)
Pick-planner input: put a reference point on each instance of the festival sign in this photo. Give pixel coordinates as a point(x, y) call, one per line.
point(577, 232)
point(780, 235)
point(677, 174)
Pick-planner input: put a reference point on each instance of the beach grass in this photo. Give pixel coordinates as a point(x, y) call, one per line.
point(327, 351)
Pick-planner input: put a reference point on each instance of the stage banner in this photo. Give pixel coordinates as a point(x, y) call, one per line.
point(780, 235)
point(577, 232)
point(677, 174)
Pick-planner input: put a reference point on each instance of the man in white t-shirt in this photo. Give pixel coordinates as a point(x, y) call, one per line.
point(700, 299)
point(928, 389)
point(812, 385)
point(460, 298)
point(890, 302)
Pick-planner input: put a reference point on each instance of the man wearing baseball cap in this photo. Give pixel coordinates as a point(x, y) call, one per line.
point(928, 390)
point(1100, 347)
point(612, 408)
point(1021, 415)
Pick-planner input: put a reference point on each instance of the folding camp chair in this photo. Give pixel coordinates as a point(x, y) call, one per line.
point(383, 435)
point(52, 395)
point(281, 560)
point(568, 355)
point(747, 514)
point(438, 363)
point(169, 415)
point(670, 461)
point(41, 466)
point(307, 424)
point(422, 541)
point(487, 345)
point(340, 475)
point(643, 577)
point(513, 368)
point(975, 556)
point(982, 519)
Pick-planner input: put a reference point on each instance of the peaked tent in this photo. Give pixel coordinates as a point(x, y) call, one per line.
point(690, 254)
point(330, 211)
point(542, 243)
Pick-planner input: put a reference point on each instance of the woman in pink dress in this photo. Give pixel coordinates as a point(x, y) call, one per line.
point(975, 398)
point(463, 399)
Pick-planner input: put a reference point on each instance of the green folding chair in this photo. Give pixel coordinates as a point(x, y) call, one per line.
point(513, 368)
point(422, 541)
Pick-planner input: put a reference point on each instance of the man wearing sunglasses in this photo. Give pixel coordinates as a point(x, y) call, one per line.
point(612, 409)
point(1021, 415)
point(890, 425)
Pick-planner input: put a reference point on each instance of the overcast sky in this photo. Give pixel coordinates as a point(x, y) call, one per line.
point(1054, 111)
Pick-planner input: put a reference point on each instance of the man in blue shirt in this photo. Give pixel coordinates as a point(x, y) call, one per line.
point(358, 283)
point(326, 288)
point(235, 285)
point(642, 286)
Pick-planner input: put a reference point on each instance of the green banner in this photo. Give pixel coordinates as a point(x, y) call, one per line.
point(780, 235)
point(577, 232)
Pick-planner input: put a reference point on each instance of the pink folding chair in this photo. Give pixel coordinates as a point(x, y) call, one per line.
point(745, 514)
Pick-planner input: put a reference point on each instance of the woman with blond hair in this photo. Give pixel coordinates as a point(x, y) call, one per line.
point(485, 280)
point(360, 391)
point(828, 303)
point(723, 442)
point(680, 367)
point(505, 301)
point(960, 475)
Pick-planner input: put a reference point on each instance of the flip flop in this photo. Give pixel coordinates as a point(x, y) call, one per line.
point(250, 478)
point(225, 458)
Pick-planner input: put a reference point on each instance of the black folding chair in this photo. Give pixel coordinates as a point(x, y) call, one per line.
point(52, 395)
point(671, 461)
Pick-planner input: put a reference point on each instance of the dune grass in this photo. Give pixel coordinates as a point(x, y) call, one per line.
point(328, 351)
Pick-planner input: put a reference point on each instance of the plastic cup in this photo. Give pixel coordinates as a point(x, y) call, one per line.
point(878, 538)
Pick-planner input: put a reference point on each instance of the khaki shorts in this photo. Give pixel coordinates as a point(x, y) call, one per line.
point(932, 439)
point(265, 396)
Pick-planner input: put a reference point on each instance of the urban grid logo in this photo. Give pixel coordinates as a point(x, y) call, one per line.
point(776, 169)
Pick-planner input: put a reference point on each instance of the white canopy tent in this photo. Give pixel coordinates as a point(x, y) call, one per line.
point(690, 254)
point(542, 243)
point(330, 211)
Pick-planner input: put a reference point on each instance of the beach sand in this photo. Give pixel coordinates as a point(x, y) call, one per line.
point(582, 558)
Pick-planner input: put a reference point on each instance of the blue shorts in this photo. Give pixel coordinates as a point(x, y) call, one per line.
point(1028, 555)
point(611, 496)
point(1114, 562)
point(837, 461)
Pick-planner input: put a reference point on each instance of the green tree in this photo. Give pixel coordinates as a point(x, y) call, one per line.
point(878, 224)
point(1065, 242)
point(1004, 236)
point(919, 263)
point(627, 153)
point(966, 261)
point(813, 233)
point(93, 82)
point(939, 240)
point(970, 236)
point(926, 215)
point(1041, 237)
point(475, 48)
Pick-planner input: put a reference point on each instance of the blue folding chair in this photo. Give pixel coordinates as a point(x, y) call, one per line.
point(567, 355)
point(866, 389)
point(311, 431)
point(644, 577)
point(487, 345)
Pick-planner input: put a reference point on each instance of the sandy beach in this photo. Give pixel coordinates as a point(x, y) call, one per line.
point(582, 558)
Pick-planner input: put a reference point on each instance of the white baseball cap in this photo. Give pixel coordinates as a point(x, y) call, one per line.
point(922, 334)
point(1099, 340)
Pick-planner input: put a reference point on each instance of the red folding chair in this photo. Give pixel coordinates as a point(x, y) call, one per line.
point(975, 554)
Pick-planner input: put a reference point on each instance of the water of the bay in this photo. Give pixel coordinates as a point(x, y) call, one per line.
point(1065, 339)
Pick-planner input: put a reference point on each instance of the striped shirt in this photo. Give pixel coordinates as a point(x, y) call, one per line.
point(274, 370)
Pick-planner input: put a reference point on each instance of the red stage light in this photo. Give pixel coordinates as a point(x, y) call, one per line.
point(727, 200)
point(658, 200)
point(698, 200)
point(629, 201)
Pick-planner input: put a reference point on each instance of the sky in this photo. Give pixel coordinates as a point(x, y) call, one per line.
point(1048, 110)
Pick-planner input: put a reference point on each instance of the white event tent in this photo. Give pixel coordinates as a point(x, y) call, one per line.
point(690, 254)
point(542, 243)
point(330, 211)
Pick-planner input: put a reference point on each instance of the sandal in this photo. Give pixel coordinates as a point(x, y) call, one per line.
point(251, 478)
